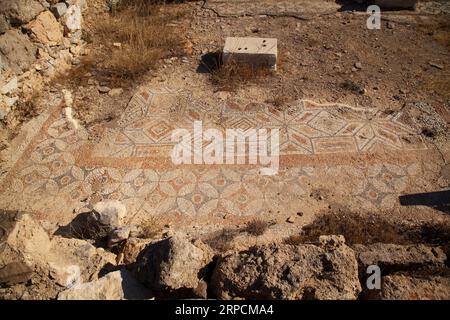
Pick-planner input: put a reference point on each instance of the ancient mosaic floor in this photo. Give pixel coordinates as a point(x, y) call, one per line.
point(364, 158)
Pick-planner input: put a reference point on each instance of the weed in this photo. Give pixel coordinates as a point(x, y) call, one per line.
point(256, 227)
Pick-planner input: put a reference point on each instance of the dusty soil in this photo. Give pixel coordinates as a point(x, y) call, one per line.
point(329, 58)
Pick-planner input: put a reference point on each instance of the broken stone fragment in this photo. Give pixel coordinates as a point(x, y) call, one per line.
point(172, 264)
point(14, 273)
point(5, 109)
point(256, 52)
point(111, 212)
point(17, 52)
point(46, 29)
point(291, 219)
point(10, 86)
point(115, 92)
point(58, 9)
point(65, 276)
point(68, 255)
point(20, 12)
point(23, 244)
point(281, 271)
point(4, 24)
point(103, 89)
point(72, 19)
point(22, 234)
point(403, 287)
point(121, 234)
point(117, 285)
point(130, 250)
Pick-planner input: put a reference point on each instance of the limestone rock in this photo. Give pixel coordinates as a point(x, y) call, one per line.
point(115, 92)
point(123, 233)
point(15, 272)
point(72, 19)
point(5, 109)
point(20, 233)
point(68, 255)
point(80, 3)
point(282, 271)
point(173, 263)
point(4, 24)
point(65, 276)
point(112, 212)
point(59, 9)
point(10, 86)
point(393, 257)
point(46, 29)
point(20, 11)
point(118, 285)
point(131, 250)
point(402, 287)
point(103, 89)
point(17, 51)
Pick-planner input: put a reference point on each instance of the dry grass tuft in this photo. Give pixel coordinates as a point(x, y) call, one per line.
point(135, 38)
point(232, 76)
point(221, 240)
point(356, 228)
point(256, 227)
point(151, 228)
point(371, 228)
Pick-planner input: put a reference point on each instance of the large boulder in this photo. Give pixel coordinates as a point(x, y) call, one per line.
point(121, 234)
point(17, 52)
point(23, 244)
point(46, 29)
point(20, 233)
point(19, 12)
point(281, 271)
point(69, 257)
point(403, 287)
point(117, 285)
point(175, 263)
point(393, 257)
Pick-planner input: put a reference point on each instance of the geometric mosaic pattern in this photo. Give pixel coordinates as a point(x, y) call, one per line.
point(305, 127)
point(62, 172)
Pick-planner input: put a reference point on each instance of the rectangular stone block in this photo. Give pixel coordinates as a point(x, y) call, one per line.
point(257, 52)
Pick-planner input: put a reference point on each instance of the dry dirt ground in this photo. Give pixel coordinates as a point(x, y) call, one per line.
point(363, 118)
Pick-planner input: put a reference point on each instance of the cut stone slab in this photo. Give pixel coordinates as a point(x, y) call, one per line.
point(257, 52)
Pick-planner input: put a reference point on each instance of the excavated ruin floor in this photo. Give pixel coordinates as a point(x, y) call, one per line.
point(332, 154)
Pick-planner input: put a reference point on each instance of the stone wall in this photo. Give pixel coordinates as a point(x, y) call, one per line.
point(37, 37)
